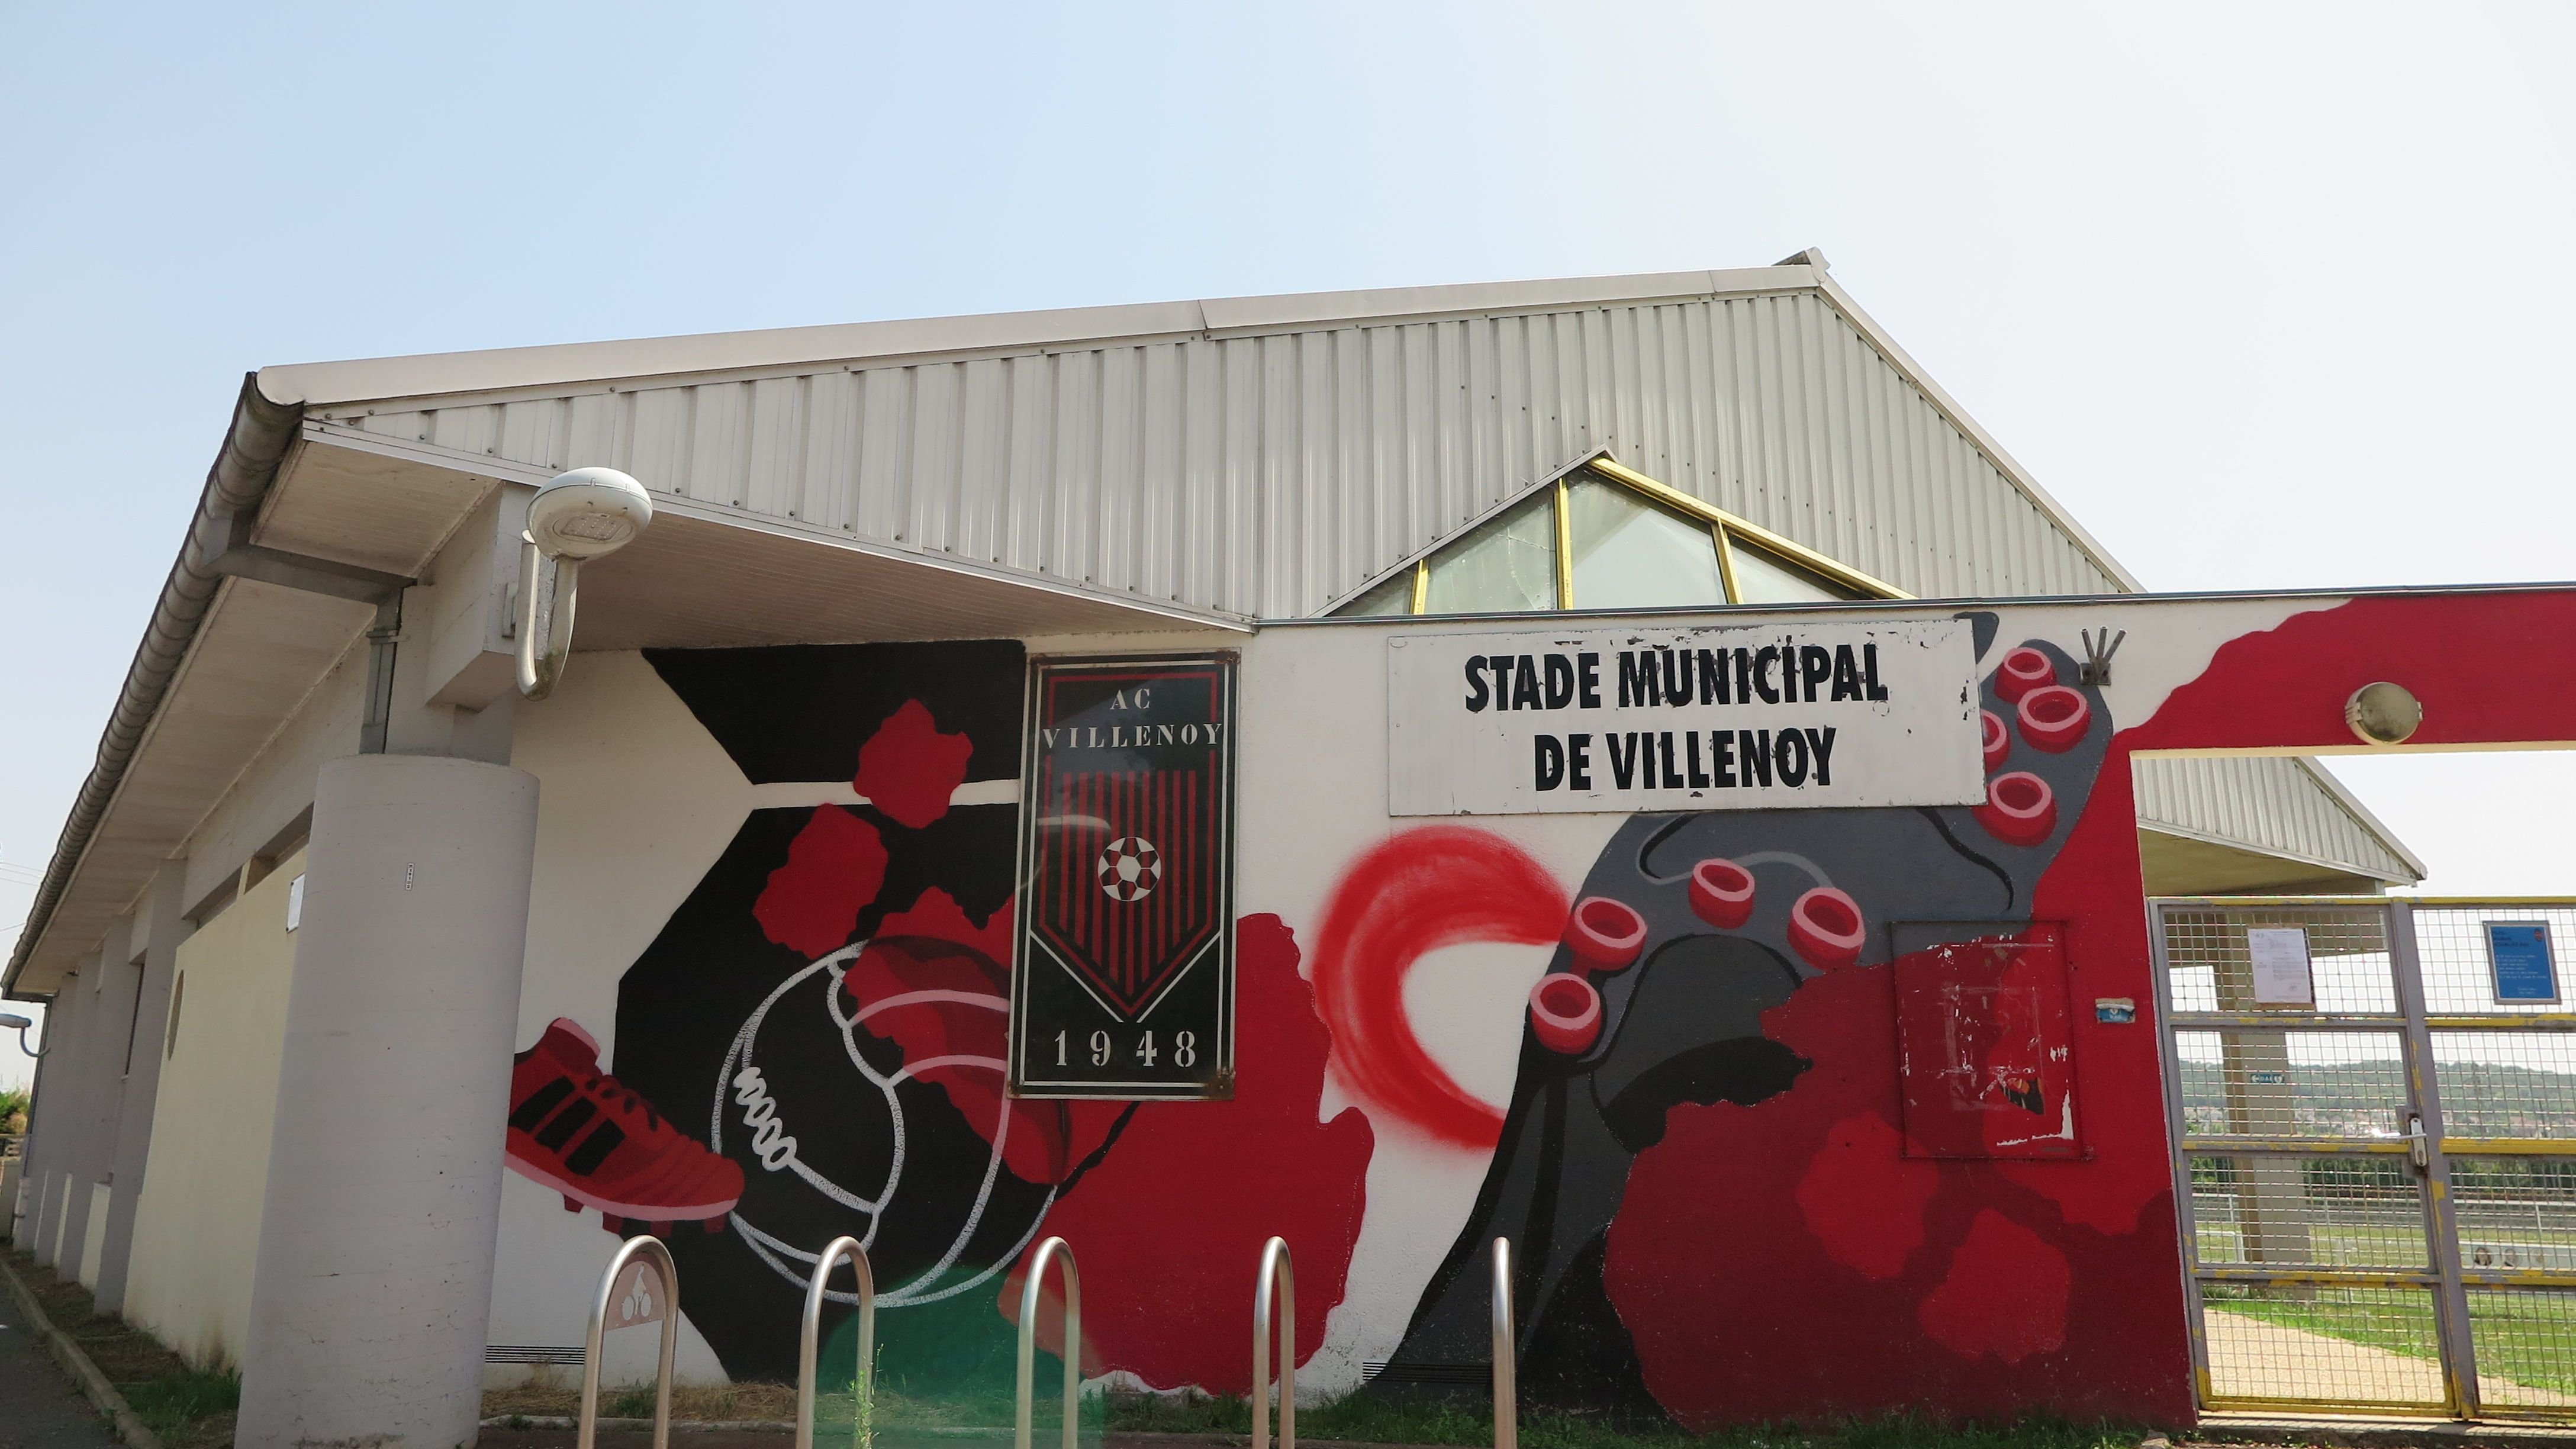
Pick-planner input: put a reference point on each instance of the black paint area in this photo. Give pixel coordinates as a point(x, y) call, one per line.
point(801, 711)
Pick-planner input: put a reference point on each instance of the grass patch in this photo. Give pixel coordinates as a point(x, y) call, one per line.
point(2520, 1336)
point(1356, 1418)
point(1366, 1419)
point(187, 1408)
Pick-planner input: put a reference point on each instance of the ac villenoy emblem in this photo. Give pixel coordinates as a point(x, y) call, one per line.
point(1123, 977)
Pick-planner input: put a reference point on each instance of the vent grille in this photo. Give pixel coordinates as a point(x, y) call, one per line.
point(530, 1353)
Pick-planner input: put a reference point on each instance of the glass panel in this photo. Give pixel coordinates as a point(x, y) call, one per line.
point(2276, 1083)
point(1395, 596)
point(1631, 554)
point(1763, 577)
point(1508, 564)
point(2340, 1345)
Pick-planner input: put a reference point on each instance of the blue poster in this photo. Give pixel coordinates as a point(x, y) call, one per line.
point(2518, 951)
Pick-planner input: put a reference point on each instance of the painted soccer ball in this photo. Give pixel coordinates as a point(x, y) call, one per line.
point(1129, 868)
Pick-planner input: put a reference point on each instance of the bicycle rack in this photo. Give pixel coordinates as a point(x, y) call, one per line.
point(1050, 1250)
point(652, 1250)
point(1279, 1273)
point(809, 1345)
point(1507, 1417)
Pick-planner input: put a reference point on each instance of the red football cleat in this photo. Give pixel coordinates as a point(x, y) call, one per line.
point(576, 1130)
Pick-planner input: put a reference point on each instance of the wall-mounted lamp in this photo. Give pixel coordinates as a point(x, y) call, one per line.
point(584, 514)
point(9, 1019)
point(2383, 713)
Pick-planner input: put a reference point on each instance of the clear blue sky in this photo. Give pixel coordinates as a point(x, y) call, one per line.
point(2268, 295)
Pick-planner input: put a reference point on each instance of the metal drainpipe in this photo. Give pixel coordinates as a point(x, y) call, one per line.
point(381, 639)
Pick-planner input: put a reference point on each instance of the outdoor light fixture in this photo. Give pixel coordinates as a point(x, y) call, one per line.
point(584, 514)
point(9, 1019)
point(2383, 713)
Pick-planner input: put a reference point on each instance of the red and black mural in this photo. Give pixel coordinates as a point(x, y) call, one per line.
point(815, 1044)
point(1812, 1113)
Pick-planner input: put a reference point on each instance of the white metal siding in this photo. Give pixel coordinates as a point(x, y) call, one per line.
point(2271, 804)
point(1267, 475)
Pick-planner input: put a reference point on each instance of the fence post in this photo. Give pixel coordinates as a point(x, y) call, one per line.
point(1052, 1250)
point(1507, 1419)
point(809, 1343)
point(1279, 1273)
point(668, 1311)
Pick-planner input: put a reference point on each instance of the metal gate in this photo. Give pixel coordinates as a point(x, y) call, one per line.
point(2373, 1103)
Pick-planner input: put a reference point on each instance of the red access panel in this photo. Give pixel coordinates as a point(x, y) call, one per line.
point(1985, 1046)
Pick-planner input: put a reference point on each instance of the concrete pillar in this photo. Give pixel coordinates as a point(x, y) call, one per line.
point(374, 1284)
point(98, 1060)
point(51, 1127)
point(158, 930)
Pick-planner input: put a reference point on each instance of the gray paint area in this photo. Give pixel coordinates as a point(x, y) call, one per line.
point(44, 1410)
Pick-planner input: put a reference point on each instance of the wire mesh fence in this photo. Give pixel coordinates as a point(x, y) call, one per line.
point(2286, 1209)
point(2459, 963)
point(2284, 1083)
point(2525, 1340)
point(2319, 1275)
point(2344, 1345)
point(2210, 962)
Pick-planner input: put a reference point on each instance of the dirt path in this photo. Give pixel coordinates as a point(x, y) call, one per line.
point(2253, 1358)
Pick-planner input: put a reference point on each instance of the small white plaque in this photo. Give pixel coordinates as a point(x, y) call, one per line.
point(295, 903)
point(2282, 976)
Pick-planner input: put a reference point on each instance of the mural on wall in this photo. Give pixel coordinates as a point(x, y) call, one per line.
point(1706, 1107)
point(815, 1045)
point(1809, 1114)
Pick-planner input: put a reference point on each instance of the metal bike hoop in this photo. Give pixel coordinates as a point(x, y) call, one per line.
point(653, 1251)
point(1052, 1250)
point(810, 1343)
point(1280, 1274)
point(1507, 1419)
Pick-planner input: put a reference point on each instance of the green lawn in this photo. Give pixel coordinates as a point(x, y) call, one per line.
point(2525, 1336)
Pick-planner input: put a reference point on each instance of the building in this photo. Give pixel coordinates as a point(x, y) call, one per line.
point(723, 928)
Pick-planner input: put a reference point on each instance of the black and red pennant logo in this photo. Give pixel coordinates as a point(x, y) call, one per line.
point(1128, 859)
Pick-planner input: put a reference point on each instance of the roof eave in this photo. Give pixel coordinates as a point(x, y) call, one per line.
point(255, 443)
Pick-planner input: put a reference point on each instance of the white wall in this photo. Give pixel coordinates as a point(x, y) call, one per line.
point(196, 1230)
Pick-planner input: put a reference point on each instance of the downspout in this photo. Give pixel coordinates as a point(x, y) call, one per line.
point(217, 547)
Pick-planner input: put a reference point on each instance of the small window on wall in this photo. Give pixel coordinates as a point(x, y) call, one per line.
point(1632, 554)
point(1506, 566)
point(1605, 537)
point(1763, 577)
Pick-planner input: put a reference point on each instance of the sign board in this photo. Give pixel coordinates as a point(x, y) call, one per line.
point(2519, 961)
point(2282, 972)
point(1628, 719)
point(1122, 977)
point(638, 1297)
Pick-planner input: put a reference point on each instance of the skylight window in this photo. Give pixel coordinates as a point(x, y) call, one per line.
point(1606, 537)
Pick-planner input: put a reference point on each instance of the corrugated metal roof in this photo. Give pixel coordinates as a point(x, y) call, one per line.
point(2277, 805)
point(1265, 457)
point(1269, 475)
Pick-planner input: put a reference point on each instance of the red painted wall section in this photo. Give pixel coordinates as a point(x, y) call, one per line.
point(2490, 668)
point(1167, 1275)
point(1414, 893)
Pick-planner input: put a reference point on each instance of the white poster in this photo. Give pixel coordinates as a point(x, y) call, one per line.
point(2281, 972)
point(1746, 717)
